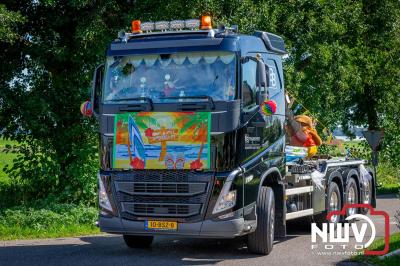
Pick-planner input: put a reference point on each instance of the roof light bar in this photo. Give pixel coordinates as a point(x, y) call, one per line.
point(177, 24)
point(205, 24)
point(192, 24)
point(162, 25)
point(147, 26)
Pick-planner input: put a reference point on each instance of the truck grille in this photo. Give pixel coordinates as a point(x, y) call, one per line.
point(159, 188)
point(166, 210)
point(148, 193)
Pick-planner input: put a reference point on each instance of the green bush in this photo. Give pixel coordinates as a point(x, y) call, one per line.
point(32, 173)
point(388, 178)
point(54, 220)
point(388, 174)
point(330, 150)
point(358, 149)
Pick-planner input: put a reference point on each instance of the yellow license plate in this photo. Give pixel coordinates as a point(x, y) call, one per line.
point(160, 225)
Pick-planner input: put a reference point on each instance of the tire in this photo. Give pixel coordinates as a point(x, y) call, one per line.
point(333, 205)
point(367, 197)
point(138, 241)
point(351, 196)
point(262, 239)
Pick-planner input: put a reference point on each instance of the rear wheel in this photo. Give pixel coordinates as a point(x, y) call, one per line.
point(138, 241)
point(261, 241)
point(334, 204)
point(367, 196)
point(334, 201)
point(351, 196)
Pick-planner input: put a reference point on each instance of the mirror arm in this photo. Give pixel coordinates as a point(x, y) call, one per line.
point(254, 113)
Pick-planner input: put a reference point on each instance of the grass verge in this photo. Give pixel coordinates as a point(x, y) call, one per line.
point(388, 178)
point(379, 245)
point(55, 220)
point(6, 158)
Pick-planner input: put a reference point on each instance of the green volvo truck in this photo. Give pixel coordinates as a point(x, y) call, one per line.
point(185, 150)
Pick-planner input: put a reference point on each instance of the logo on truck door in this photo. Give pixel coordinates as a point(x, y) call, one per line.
point(162, 140)
point(336, 238)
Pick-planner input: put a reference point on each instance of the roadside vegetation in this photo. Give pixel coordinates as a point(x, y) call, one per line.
point(388, 174)
point(47, 220)
point(379, 244)
point(394, 244)
point(51, 218)
point(344, 70)
point(24, 218)
point(6, 158)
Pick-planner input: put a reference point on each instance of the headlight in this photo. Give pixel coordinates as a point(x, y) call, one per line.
point(104, 201)
point(226, 199)
point(225, 202)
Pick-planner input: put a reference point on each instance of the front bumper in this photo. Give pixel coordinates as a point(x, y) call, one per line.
point(207, 228)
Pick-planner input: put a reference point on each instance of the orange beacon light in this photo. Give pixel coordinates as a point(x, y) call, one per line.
point(136, 26)
point(206, 23)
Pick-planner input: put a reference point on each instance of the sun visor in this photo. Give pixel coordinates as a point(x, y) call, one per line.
point(139, 45)
point(273, 43)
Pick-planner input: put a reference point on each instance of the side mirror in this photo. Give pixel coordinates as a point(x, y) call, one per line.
point(260, 97)
point(86, 109)
point(261, 80)
point(96, 89)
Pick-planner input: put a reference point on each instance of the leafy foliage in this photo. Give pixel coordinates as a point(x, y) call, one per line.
point(52, 221)
point(9, 21)
point(343, 63)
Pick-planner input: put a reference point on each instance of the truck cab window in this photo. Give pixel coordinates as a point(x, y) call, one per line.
point(249, 88)
point(160, 76)
point(275, 86)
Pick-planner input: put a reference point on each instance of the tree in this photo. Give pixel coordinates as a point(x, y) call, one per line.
point(51, 72)
point(9, 22)
point(342, 63)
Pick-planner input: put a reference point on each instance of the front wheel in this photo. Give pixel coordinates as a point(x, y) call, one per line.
point(261, 241)
point(138, 241)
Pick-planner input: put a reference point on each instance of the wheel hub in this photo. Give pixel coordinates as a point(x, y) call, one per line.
point(367, 194)
point(334, 206)
point(272, 214)
point(351, 199)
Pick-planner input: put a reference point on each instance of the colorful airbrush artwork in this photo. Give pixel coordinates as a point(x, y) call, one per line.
point(162, 140)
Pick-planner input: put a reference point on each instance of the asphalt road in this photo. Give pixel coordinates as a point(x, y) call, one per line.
point(111, 250)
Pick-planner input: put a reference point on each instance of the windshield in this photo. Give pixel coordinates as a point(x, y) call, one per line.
point(161, 76)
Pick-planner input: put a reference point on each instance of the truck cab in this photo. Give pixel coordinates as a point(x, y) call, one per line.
point(185, 148)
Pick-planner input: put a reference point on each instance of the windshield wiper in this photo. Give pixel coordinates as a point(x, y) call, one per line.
point(209, 98)
point(148, 100)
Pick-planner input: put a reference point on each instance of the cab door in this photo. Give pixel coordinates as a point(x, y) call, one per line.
point(263, 136)
point(251, 134)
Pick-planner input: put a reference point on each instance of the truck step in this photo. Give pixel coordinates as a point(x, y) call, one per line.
point(299, 190)
point(302, 213)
